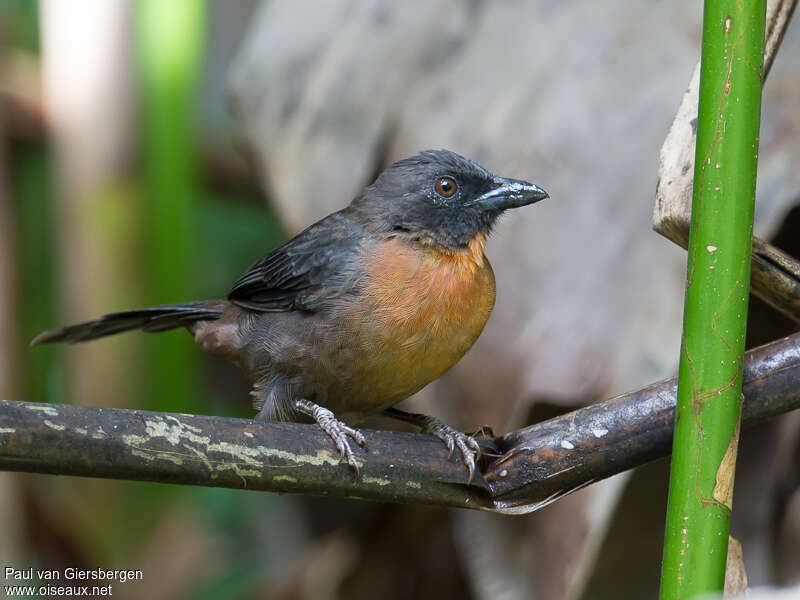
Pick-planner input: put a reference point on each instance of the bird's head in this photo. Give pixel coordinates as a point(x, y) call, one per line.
point(442, 198)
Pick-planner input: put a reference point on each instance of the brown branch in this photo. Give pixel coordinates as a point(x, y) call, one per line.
point(555, 457)
point(536, 465)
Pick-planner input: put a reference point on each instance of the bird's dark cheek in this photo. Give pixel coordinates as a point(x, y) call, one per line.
point(438, 201)
point(487, 220)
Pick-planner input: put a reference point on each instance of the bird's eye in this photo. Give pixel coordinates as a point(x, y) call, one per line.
point(445, 187)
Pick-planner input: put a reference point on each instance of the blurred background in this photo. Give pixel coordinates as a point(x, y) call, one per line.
point(151, 150)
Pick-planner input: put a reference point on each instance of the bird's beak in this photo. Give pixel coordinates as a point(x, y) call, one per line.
point(510, 193)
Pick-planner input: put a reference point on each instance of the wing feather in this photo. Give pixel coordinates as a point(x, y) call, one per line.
point(317, 265)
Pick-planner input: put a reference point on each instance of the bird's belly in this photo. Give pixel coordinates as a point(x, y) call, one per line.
point(421, 318)
point(393, 368)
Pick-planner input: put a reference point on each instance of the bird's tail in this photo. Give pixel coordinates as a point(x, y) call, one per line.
point(152, 320)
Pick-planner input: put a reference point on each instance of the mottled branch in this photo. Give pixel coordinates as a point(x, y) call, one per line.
point(536, 465)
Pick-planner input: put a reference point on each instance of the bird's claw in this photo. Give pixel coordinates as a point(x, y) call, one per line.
point(466, 444)
point(336, 430)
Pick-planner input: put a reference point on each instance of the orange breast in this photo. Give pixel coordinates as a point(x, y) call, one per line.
point(426, 309)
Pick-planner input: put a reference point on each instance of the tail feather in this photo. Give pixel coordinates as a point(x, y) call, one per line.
point(151, 320)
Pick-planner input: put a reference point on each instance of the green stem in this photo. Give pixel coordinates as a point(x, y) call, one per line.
point(170, 43)
point(718, 280)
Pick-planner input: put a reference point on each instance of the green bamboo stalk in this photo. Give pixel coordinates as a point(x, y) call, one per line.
point(718, 280)
point(170, 43)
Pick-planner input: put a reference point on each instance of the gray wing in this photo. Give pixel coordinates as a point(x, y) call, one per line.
point(319, 264)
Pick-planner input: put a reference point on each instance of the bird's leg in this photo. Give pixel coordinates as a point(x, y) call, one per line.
point(335, 429)
point(467, 446)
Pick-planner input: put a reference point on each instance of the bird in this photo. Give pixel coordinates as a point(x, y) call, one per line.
point(360, 310)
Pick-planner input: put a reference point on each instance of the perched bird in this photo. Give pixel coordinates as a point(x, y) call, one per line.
point(363, 308)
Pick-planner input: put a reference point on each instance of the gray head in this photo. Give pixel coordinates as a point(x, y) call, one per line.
point(441, 197)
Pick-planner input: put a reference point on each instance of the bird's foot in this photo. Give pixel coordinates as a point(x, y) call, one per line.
point(466, 444)
point(335, 429)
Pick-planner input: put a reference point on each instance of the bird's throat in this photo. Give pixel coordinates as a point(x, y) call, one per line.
point(468, 257)
point(471, 257)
